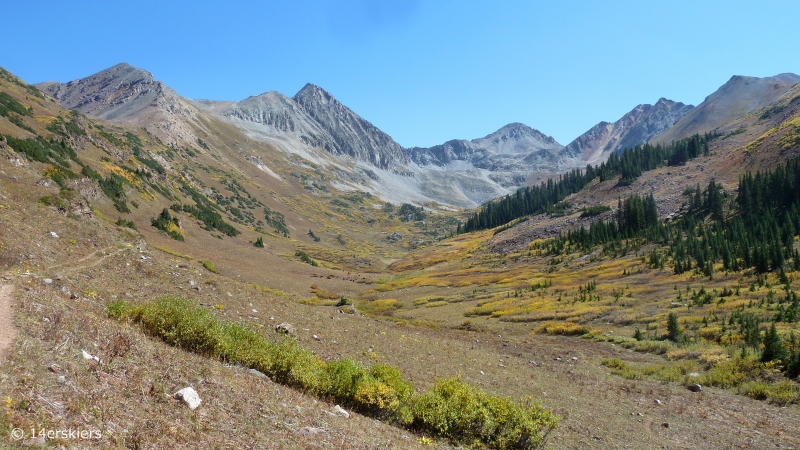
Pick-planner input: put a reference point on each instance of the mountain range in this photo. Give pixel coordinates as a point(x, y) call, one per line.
point(464, 173)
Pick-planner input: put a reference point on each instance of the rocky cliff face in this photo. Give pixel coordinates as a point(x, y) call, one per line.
point(733, 100)
point(124, 93)
point(317, 119)
point(634, 128)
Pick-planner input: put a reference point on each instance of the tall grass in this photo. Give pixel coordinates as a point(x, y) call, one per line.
point(451, 409)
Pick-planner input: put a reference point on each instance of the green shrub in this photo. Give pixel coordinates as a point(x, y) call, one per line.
point(342, 379)
point(595, 210)
point(179, 323)
point(758, 390)
point(166, 223)
point(402, 390)
point(126, 223)
point(784, 392)
point(733, 372)
point(209, 265)
point(468, 415)
point(621, 368)
point(305, 258)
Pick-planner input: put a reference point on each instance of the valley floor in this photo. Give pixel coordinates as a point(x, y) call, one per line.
point(64, 283)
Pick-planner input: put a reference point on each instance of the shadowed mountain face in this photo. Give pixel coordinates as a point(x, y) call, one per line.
point(634, 128)
point(735, 99)
point(317, 119)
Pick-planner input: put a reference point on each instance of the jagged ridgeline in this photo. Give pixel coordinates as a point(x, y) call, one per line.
point(628, 166)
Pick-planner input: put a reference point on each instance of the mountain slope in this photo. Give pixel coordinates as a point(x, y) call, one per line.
point(350, 134)
point(126, 94)
point(734, 99)
point(636, 127)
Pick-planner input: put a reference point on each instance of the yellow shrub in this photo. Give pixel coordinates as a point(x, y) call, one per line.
point(563, 329)
point(384, 306)
point(435, 304)
point(678, 353)
point(376, 396)
point(711, 333)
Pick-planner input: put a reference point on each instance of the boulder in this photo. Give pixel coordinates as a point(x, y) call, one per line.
point(694, 387)
point(339, 411)
point(257, 373)
point(189, 396)
point(285, 328)
point(89, 357)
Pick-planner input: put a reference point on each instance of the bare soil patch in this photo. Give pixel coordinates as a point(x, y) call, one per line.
point(8, 332)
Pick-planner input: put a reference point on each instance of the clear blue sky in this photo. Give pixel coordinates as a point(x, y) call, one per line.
point(423, 71)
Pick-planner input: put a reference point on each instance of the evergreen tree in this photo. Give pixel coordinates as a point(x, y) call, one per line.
point(773, 347)
point(673, 328)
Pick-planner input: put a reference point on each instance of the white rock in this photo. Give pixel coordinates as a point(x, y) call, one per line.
point(312, 431)
point(62, 379)
point(89, 357)
point(53, 234)
point(257, 373)
point(189, 396)
point(340, 411)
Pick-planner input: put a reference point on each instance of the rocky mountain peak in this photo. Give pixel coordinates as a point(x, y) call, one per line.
point(124, 93)
point(517, 138)
point(636, 127)
point(311, 93)
point(313, 117)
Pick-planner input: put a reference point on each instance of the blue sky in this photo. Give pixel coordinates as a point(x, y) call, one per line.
point(422, 71)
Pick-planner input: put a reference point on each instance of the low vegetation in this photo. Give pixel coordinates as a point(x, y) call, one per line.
point(452, 409)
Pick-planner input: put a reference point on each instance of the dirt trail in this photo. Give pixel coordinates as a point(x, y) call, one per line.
point(74, 266)
point(8, 332)
point(72, 263)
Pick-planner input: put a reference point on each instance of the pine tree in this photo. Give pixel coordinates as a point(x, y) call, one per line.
point(259, 242)
point(673, 328)
point(773, 347)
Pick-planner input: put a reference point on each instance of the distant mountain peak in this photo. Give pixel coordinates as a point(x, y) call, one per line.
point(316, 119)
point(124, 93)
point(636, 127)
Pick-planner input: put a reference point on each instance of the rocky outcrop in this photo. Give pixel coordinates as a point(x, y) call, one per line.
point(636, 127)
